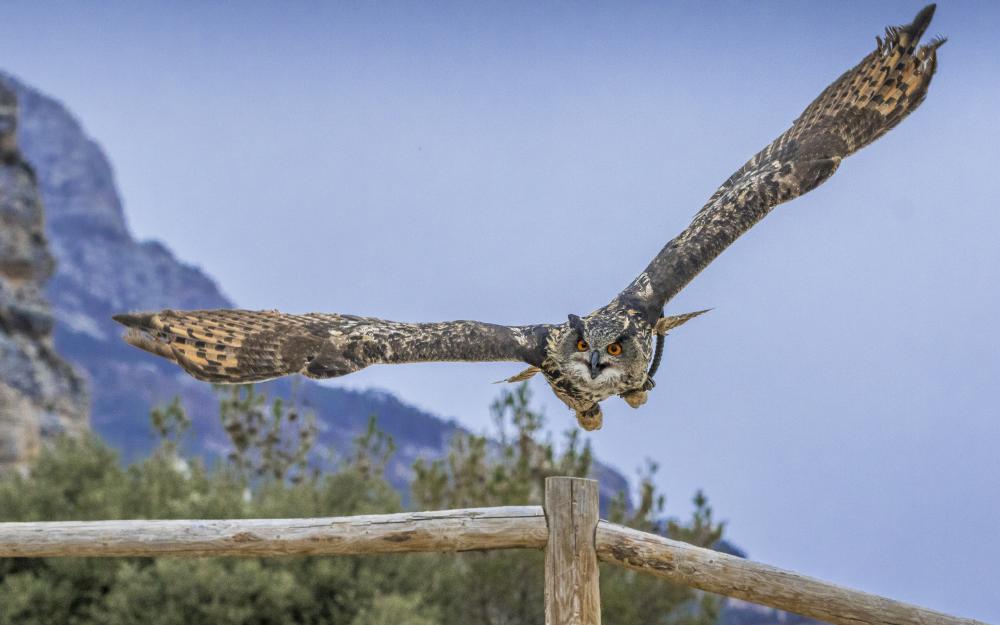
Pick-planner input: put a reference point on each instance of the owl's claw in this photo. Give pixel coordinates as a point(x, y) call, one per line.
point(590, 419)
point(635, 398)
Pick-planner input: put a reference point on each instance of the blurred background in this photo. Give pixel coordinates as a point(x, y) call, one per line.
point(424, 162)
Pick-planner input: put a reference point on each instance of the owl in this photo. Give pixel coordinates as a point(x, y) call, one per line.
point(614, 350)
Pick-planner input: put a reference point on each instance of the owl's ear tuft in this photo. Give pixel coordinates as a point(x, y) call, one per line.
point(577, 324)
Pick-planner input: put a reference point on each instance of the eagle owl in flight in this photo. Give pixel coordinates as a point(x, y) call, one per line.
point(610, 351)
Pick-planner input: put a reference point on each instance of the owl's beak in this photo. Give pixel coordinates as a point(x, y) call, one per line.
point(595, 364)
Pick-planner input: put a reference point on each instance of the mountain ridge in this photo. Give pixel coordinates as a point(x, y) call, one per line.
point(103, 269)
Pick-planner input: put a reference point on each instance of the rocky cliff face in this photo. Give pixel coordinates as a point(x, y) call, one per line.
point(103, 270)
point(40, 394)
point(100, 270)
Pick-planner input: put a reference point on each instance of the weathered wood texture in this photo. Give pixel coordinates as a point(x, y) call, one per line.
point(511, 527)
point(572, 588)
point(571, 575)
point(723, 574)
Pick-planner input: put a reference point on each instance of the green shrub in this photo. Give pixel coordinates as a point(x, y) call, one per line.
point(83, 479)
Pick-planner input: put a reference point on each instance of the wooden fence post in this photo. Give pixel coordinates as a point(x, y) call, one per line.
point(572, 588)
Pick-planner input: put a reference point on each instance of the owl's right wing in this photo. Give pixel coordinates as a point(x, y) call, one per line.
point(858, 108)
point(239, 346)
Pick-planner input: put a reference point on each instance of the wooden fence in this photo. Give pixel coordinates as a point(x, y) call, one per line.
point(567, 528)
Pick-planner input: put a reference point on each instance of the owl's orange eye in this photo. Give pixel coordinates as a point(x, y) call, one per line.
point(615, 349)
point(581, 345)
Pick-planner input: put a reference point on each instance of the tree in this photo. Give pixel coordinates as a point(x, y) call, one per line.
point(269, 441)
point(498, 588)
point(266, 476)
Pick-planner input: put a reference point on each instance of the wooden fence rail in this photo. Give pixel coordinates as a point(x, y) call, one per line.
point(513, 527)
point(567, 528)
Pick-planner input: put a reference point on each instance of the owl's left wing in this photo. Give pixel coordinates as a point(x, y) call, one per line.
point(238, 346)
point(858, 108)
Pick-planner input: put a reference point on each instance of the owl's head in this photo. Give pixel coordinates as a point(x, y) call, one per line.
point(606, 350)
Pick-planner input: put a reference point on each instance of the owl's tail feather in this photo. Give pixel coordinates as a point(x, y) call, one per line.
point(223, 346)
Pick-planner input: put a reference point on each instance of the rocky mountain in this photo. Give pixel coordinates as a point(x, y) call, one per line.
point(39, 392)
point(102, 269)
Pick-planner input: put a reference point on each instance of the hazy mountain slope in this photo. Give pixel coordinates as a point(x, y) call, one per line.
point(103, 269)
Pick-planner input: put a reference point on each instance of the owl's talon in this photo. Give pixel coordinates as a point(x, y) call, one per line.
point(591, 419)
point(635, 399)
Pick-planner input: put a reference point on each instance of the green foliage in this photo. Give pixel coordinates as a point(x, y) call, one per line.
point(192, 591)
point(269, 441)
point(372, 451)
point(267, 477)
point(397, 609)
point(508, 470)
point(170, 423)
point(500, 588)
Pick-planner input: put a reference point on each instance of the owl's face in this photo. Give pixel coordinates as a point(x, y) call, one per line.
point(604, 354)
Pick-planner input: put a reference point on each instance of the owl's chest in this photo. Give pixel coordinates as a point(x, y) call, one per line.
point(580, 392)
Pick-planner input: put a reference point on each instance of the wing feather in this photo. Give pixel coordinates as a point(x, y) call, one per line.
point(858, 108)
point(238, 346)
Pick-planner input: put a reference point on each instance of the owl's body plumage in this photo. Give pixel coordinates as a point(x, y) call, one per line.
point(582, 379)
point(608, 352)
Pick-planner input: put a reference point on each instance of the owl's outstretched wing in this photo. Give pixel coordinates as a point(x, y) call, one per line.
point(858, 108)
point(237, 346)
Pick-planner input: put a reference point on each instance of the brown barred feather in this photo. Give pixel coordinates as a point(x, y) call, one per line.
point(527, 374)
point(858, 108)
point(666, 324)
point(587, 359)
point(238, 346)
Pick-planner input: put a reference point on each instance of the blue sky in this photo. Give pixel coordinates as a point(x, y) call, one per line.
point(428, 162)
